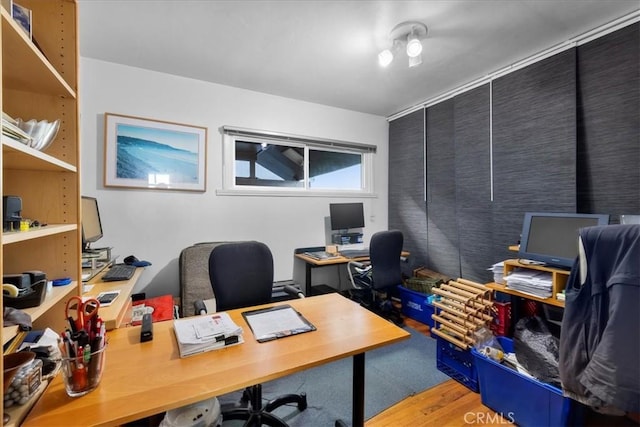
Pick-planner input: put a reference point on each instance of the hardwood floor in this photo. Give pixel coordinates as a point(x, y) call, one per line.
point(451, 404)
point(447, 404)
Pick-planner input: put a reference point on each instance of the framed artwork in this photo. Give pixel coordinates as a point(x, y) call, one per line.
point(154, 154)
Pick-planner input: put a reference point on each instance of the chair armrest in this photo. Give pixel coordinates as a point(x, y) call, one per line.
point(359, 274)
point(358, 264)
point(204, 306)
point(199, 306)
point(293, 291)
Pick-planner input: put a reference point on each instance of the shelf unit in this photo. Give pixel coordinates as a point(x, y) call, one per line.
point(39, 81)
point(559, 279)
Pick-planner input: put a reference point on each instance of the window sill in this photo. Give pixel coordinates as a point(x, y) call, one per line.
point(300, 193)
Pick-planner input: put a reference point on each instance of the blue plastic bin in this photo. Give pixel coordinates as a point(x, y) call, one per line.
point(459, 364)
point(519, 398)
point(416, 305)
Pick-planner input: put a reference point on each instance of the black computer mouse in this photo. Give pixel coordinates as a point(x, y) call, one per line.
point(130, 260)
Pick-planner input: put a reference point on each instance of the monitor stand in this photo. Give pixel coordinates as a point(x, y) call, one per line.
point(95, 260)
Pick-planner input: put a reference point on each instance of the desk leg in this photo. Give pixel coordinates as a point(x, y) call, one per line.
point(358, 391)
point(307, 278)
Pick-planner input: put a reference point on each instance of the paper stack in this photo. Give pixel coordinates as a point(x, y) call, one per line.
point(199, 334)
point(532, 282)
point(11, 130)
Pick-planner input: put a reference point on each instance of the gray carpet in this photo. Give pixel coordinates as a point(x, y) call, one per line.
point(392, 373)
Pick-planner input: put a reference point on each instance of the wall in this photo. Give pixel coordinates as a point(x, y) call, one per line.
point(156, 225)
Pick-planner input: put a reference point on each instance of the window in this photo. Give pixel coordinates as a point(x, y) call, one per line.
point(267, 162)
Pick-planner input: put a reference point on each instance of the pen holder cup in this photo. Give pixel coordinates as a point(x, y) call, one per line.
point(81, 375)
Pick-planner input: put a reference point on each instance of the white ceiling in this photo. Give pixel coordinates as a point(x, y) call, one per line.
point(326, 51)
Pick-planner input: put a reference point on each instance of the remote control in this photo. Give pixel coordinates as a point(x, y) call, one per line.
point(146, 332)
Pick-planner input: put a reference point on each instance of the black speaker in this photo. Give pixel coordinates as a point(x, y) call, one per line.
point(12, 208)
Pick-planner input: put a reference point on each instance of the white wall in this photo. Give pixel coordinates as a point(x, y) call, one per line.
point(155, 225)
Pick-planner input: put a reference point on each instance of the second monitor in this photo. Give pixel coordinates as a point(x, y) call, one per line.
point(345, 217)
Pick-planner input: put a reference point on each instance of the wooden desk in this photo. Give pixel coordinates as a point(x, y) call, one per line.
point(143, 379)
point(311, 263)
point(118, 313)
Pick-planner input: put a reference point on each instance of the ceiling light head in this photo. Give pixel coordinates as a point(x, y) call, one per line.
point(414, 61)
point(414, 46)
point(385, 57)
point(410, 35)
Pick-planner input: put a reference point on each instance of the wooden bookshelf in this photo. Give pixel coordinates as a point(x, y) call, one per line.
point(39, 81)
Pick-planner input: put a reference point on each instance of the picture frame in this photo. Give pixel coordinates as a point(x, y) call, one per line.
point(22, 16)
point(154, 154)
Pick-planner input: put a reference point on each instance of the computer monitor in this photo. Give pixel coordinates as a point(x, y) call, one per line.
point(552, 238)
point(345, 216)
point(91, 225)
point(629, 219)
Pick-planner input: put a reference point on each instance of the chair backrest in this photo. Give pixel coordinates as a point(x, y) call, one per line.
point(194, 275)
point(385, 249)
point(241, 274)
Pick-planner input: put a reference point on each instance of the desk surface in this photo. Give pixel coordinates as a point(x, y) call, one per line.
point(338, 260)
point(143, 379)
point(118, 313)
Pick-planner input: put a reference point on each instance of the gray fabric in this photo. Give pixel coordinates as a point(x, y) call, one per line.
point(534, 145)
point(608, 117)
point(194, 276)
point(565, 139)
point(473, 183)
point(600, 335)
point(13, 316)
point(407, 208)
point(442, 226)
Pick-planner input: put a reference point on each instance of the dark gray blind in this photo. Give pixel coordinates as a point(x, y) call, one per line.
point(534, 145)
point(442, 226)
point(608, 124)
point(473, 182)
point(407, 211)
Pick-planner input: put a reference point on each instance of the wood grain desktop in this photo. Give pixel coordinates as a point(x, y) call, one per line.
point(143, 379)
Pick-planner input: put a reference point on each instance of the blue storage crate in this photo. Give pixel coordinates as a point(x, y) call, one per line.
point(459, 364)
point(416, 306)
point(524, 400)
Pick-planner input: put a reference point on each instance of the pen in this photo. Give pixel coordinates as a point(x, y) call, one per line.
point(80, 373)
point(87, 353)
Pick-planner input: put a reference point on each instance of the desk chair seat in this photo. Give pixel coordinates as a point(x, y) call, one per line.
point(373, 280)
point(241, 275)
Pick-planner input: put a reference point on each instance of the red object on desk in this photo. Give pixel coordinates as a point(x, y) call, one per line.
point(162, 308)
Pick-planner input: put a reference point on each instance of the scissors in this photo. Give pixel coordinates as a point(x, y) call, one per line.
point(81, 313)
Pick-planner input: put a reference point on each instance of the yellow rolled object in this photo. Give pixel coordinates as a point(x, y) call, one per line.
point(9, 289)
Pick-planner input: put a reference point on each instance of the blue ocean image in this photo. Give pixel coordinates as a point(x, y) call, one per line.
point(156, 155)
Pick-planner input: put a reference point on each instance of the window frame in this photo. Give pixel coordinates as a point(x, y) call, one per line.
point(232, 134)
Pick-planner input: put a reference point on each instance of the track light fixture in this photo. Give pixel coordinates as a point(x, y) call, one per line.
point(410, 35)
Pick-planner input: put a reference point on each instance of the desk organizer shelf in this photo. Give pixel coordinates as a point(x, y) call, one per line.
point(559, 278)
point(464, 307)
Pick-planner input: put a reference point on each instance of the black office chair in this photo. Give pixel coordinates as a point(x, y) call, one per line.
point(241, 275)
point(373, 280)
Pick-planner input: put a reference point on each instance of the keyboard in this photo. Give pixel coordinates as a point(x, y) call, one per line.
point(355, 253)
point(320, 255)
point(119, 272)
